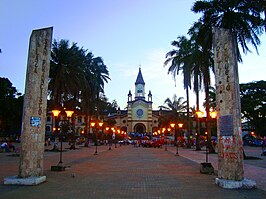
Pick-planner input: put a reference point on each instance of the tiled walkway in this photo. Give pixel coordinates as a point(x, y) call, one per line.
point(124, 172)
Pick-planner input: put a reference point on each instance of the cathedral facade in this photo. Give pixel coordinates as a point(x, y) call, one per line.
point(138, 116)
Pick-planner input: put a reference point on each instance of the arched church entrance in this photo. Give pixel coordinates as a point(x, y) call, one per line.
point(140, 128)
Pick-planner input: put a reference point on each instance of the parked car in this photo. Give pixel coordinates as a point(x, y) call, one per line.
point(252, 140)
point(154, 144)
point(157, 144)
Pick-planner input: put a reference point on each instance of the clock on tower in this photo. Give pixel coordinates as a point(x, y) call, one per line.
point(140, 90)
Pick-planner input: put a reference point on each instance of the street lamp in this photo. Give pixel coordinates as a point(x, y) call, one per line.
point(176, 132)
point(60, 166)
point(96, 125)
point(165, 136)
point(174, 127)
point(109, 137)
point(199, 115)
point(213, 115)
point(114, 136)
point(206, 167)
point(206, 133)
point(180, 125)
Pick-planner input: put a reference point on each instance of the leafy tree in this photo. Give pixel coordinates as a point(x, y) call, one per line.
point(75, 75)
point(195, 61)
point(109, 107)
point(11, 105)
point(179, 60)
point(96, 74)
point(212, 98)
point(176, 107)
point(205, 66)
point(66, 76)
point(76, 79)
point(242, 17)
point(253, 105)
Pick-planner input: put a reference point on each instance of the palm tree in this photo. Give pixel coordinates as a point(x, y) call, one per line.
point(206, 65)
point(194, 60)
point(197, 84)
point(66, 76)
point(212, 98)
point(100, 76)
point(176, 107)
point(180, 61)
point(76, 78)
point(96, 74)
point(265, 14)
point(243, 18)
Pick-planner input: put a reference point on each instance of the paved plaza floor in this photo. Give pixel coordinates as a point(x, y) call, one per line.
point(131, 172)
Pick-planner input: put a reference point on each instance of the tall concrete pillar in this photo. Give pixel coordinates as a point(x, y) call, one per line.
point(230, 144)
point(34, 110)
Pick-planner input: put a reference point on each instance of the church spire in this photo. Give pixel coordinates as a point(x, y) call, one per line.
point(139, 86)
point(139, 79)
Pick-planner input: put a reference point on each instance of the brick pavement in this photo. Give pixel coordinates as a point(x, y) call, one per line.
point(254, 169)
point(123, 172)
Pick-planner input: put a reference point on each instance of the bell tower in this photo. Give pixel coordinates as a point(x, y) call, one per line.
point(139, 119)
point(139, 86)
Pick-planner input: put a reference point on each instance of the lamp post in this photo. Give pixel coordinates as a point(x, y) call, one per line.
point(114, 136)
point(176, 132)
point(109, 137)
point(60, 166)
point(199, 115)
point(213, 115)
point(165, 136)
point(206, 133)
point(96, 125)
point(174, 127)
point(207, 167)
point(180, 125)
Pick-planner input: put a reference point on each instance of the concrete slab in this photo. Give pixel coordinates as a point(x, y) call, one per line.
point(232, 184)
point(14, 180)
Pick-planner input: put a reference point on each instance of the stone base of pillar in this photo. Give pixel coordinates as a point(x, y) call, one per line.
point(14, 180)
point(58, 168)
point(206, 168)
point(232, 184)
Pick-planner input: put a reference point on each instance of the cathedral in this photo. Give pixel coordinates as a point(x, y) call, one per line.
point(138, 118)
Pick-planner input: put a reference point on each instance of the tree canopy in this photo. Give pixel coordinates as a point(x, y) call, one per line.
point(77, 78)
point(11, 105)
point(253, 105)
point(176, 107)
point(242, 17)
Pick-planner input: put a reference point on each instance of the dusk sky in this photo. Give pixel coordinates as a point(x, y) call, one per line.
point(125, 33)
